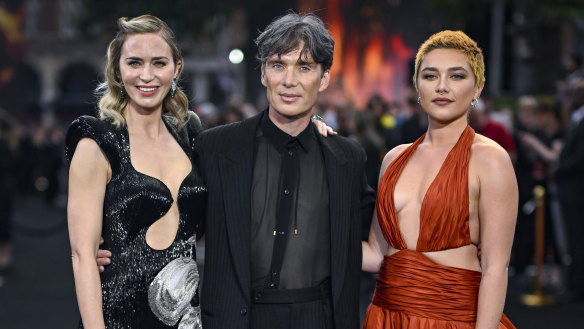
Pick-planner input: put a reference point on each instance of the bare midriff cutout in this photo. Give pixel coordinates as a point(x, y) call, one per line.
point(465, 257)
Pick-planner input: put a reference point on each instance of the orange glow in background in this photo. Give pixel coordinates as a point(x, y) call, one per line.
point(381, 67)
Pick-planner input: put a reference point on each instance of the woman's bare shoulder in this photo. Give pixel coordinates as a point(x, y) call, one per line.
point(390, 156)
point(394, 153)
point(489, 155)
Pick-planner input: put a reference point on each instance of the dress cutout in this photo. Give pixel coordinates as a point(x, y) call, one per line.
point(413, 291)
point(145, 287)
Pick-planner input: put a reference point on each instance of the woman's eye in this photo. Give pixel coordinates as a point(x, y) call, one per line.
point(428, 76)
point(160, 64)
point(458, 76)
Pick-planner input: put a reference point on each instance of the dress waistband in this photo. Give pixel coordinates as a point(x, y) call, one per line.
point(410, 282)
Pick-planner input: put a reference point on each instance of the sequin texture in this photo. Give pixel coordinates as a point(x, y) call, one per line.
point(172, 290)
point(134, 201)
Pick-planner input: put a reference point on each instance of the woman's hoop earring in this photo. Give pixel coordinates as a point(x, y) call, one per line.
point(474, 103)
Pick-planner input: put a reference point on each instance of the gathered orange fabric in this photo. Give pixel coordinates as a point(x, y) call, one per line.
point(444, 213)
point(412, 291)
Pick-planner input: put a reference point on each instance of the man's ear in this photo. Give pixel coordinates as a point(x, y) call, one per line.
point(324, 80)
point(263, 77)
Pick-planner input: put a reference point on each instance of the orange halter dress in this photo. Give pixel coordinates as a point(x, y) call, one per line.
point(413, 291)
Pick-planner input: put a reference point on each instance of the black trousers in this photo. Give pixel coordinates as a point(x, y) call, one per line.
point(309, 308)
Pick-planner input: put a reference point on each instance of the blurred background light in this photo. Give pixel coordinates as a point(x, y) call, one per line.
point(236, 56)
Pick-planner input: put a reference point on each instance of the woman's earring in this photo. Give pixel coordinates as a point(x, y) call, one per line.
point(474, 103)
point(173, 87)
point(419, 100)
point(122, 94)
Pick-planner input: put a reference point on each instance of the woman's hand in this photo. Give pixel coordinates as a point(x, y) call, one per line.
point(323, 129)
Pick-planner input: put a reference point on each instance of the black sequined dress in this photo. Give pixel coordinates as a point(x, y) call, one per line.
point(145, 287)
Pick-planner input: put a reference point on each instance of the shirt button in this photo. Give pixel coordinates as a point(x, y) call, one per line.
point(286, 191)
point(290, 153)
point(243, 311)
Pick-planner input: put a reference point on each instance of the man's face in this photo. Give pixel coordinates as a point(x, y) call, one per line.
point(293, 84)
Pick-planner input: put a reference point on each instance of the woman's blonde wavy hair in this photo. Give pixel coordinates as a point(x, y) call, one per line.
point(453, 40)
point(111, 104)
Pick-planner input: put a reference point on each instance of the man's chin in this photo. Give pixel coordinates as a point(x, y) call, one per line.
point(292, 115)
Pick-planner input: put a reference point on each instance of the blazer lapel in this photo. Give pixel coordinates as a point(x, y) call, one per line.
point(339, 184)
point(236, 171)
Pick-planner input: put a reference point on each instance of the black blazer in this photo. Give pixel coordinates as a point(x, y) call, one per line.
point(226, 162)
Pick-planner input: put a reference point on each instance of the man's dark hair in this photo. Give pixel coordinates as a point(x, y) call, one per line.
point(285, 33)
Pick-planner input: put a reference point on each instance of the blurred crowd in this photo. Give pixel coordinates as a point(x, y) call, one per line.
point(31, 164)
point(533, 129)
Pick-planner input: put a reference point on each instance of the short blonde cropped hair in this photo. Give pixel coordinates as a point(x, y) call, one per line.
point(453, 40)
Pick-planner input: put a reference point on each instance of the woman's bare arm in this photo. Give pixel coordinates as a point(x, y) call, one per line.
point(549, 154)
point(498, 202)
point(88, 176)
point(375, 248)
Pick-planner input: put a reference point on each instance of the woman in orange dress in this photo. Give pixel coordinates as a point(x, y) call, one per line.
point(442, 199)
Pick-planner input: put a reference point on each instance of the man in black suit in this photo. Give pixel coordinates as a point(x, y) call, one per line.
point(283, 229)
point(570, 181)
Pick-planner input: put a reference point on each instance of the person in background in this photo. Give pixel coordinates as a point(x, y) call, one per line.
point(416, 124)
point(481, 122)
point(385, 123)
point(565, 88)
point(231, 114)
point(525, 123)
point(543, 147)
point(372, 143)
point(6, 193)
point(569, 177)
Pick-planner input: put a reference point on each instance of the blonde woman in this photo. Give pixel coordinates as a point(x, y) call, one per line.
point(441, 199)
point(133, 181)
